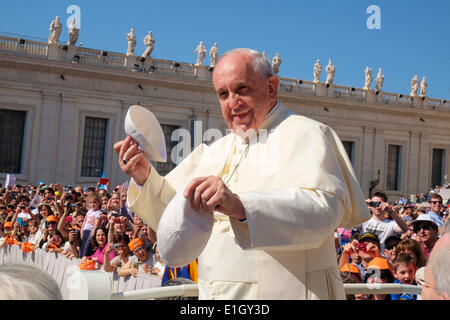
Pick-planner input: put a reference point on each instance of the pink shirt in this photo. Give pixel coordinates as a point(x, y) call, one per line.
point(100, 254)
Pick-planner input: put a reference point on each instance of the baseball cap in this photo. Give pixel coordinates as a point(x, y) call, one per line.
point(391, 242)
point(350, 267)
point(379, 263)
point(52, 218)
point(369, 235)
point(135, 243)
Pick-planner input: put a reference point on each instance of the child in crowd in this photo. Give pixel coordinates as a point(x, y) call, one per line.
point(379, 270)
point(404, 271)
point(413, 248)
point(159, 267)
point(33, 238)
point(54, 242)
point(91, 222)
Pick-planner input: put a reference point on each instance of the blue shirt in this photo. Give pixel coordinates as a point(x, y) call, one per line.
point(436, 218)
point(404, 296)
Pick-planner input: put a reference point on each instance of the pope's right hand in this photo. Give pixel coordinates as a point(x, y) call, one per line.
point(132, 161)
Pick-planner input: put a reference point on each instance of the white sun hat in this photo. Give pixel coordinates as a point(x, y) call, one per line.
point(142, 125)
point(183, 232)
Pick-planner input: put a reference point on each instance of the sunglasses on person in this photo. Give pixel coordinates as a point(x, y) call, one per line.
point(424, 226)
point(436, 202)
point(390, 246)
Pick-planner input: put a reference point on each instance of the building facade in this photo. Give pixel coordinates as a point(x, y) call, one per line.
point(62, 108)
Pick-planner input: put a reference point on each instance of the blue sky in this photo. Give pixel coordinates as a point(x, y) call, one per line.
point(413, 39)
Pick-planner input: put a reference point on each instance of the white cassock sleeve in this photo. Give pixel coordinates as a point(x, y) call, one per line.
point(288, 218)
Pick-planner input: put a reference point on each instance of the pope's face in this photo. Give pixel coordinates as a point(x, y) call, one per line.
point(245, 98)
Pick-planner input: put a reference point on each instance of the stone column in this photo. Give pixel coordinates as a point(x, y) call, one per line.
point(414, 162)
point(67, 141)
point(48, 123)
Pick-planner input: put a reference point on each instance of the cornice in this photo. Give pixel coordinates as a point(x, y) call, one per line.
point(99, 73)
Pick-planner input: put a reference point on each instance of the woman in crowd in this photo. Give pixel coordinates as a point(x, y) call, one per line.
point(55, 243)
point(120, 245)
point(413, 248)
point(100, 244)
point(50, 225)
point(142, 259)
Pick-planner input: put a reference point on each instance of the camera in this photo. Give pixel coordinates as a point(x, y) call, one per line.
point(362, 246)
point(114, 246)
point(374, 204)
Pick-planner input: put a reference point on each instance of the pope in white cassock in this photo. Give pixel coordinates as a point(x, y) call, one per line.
point(282, 185)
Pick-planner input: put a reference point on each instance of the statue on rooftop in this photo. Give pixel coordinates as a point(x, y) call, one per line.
point(131, 42)
point(380, 80)
point(368, 79)
point(73, 33)
point(55, 28)
point(423, 87)
point(414, 86)
point(213, 54)
point(276, 61)
point(201, 53)
point(330, 73)
point(149, 42)
point(317, 71)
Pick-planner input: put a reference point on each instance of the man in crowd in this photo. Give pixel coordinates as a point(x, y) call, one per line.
point(427, 232)
point(436, 206)
point(274, 220)
point(380, 224)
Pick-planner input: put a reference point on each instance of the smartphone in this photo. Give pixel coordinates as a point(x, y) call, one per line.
point(21, 222)
point(103, 181)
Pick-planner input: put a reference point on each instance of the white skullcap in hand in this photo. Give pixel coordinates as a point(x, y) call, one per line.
point(182, 232)
point(142, 125)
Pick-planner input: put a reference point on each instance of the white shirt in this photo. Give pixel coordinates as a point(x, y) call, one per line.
point(91, 215)
point(383, 229)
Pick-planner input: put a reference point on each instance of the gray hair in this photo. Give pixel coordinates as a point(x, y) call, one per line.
point(261, 64)
point(24, 282)
point(440, 266)
point(445, 228)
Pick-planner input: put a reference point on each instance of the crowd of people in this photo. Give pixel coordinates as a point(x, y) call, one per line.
point(92, 224)
point(395, 245)
point(88, 223)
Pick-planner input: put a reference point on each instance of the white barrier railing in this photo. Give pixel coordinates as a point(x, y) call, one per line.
point(74, 283)
point(381, 288)
point(100, 285)
point(184, 290)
